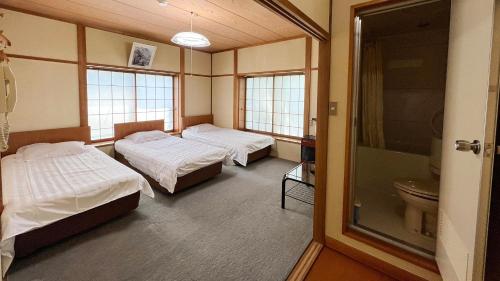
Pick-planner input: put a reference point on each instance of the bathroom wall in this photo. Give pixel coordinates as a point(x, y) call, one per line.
point(414, 87)
point(390, 166)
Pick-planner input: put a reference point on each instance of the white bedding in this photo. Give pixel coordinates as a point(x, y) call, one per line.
point(239, 143)
point(166, 159)
point(39, 192)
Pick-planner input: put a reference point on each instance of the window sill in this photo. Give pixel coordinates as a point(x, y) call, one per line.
point(289, 140)
point(278, 137)
point(103, 143)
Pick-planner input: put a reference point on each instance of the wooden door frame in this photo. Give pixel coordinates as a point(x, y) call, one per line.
point(291, 13)
point(377, 243)
point(486, 256)
point(485, 241)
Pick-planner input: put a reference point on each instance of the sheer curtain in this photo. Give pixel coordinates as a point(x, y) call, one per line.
point(372, 89)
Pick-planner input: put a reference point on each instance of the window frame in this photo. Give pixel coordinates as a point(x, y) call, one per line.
point(243, 95)
point(175, 95)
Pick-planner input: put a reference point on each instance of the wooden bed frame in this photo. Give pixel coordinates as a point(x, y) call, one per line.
point(124, 129)
point(33, 240)
point(189, 121)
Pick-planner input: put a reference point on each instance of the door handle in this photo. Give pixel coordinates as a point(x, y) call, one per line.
point(463, 145)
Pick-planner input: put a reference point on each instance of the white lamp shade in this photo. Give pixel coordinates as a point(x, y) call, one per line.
point(190, 39)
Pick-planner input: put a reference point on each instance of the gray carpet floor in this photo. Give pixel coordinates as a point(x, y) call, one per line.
point(229, 228)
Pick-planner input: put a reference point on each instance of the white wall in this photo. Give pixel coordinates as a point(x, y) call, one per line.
point(47, 95)
point(222, 101)
point(202, 62)
point(223, 63)
point(198, 94)
point(114, 49)
point(222, 88)
point(39, 37)
point(47, 91)
point(316, 10)
point(283, 55)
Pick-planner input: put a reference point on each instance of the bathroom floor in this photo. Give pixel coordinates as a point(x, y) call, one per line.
point(384, 213)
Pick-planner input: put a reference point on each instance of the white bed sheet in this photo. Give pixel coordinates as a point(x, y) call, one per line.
point(239, 143)
point(166, 159)
point(39, 192)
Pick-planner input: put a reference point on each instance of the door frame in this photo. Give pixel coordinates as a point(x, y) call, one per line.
point(291, 13)
point(429, 264)
point(489, 152)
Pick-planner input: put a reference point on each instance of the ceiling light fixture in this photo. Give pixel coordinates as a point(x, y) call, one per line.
point(190, 38)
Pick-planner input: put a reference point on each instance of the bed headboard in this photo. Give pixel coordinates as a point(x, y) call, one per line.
point(20, 139)
point(124, 129)
point(188, 121)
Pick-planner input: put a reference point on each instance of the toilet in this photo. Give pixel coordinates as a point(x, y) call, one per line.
point(421, 196)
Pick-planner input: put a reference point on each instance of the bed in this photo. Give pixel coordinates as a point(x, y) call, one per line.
point(245, 147)
point(169, 163)
point(54, 186)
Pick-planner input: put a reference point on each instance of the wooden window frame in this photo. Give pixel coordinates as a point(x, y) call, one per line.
point(242, 103)
point(175, 94)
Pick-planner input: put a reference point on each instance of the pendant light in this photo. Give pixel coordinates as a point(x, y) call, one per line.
point(191, 39)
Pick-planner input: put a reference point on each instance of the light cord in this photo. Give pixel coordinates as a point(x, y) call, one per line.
point(191, 48)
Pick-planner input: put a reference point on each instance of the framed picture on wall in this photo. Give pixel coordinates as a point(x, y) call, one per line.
point(141, 55)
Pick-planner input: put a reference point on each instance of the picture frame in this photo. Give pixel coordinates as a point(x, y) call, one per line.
point(141, 55)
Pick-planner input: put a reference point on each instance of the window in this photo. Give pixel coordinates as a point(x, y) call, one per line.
point(275, 104)
point(118, 97)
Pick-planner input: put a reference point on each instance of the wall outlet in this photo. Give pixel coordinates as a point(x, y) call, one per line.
point(332, 108)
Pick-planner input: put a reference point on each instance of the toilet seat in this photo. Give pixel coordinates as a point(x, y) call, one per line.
point(428, 189)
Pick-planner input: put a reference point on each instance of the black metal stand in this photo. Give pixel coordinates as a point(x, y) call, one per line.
point(304, 189)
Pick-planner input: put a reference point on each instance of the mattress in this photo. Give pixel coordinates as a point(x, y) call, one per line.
point(39, 192)
point(239, 143)
point(166, 159)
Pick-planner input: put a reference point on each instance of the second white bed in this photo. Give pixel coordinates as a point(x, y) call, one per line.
point(171, 157)
point(240, 144)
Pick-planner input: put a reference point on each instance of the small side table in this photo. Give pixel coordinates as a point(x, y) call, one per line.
point(303, 191)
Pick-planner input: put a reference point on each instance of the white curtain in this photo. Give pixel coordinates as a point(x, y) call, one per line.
point(372, 89)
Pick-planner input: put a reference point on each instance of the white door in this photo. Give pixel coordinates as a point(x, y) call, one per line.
point(465, 113)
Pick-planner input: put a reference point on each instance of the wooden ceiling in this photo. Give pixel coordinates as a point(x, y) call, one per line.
point(227, 23)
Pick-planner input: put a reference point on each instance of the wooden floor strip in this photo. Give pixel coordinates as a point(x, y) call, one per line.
point(334, 266)
point(305, 262)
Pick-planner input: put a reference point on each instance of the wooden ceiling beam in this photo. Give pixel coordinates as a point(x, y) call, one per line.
point(288, 11)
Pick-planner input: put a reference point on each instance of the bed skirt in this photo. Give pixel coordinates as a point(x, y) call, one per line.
point(183, 182)
point(259, 154)
point(33, 240)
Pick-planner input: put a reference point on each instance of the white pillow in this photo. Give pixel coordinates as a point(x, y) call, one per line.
point(29, 146)
point(202, 128)
point(48, 150)
point(67, 148)
point(142, 137)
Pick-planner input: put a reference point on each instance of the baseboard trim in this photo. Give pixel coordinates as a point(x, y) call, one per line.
point(371, 261)
point(302, 267)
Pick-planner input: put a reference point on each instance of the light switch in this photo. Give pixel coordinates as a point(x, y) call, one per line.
point(333, 108)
